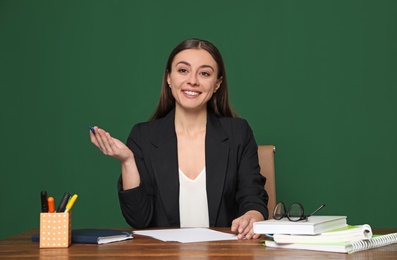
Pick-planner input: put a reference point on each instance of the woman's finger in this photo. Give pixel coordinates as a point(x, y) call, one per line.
point(102, 140)
point(93, 139)
point(247, 226)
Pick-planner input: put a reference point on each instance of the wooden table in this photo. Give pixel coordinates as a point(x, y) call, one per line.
point(21, 247)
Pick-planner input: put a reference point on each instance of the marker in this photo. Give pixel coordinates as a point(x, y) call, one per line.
point(44, 203)
point(71, 203)
point(92, 129)
point(51, 207)
point(64, 201)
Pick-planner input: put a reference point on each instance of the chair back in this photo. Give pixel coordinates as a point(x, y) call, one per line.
point(266, 163)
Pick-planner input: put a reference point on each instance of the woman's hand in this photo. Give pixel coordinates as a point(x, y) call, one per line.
point(110, 146)
point(115, 148)
point(244, 225)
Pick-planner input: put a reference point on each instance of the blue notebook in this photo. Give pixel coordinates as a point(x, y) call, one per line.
point(94, 236)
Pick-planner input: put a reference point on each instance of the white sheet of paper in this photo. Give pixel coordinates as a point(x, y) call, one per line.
point(187, 235)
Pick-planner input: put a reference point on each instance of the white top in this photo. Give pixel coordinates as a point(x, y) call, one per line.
point(193, 204)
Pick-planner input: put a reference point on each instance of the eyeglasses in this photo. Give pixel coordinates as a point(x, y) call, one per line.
point(295, 212)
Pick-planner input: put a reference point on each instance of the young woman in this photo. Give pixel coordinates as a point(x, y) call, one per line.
point(194, 164)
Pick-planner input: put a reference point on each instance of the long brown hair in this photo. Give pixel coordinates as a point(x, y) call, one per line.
point(219, 102)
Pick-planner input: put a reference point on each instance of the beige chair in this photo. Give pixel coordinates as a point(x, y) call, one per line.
point(266, 162)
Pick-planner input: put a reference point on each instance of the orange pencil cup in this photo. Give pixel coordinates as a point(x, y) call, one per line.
point(55, 230)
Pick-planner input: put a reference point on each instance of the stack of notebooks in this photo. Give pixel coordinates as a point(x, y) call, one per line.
point(321, 233)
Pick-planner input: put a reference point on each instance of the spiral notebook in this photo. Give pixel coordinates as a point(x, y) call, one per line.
point(349, 247)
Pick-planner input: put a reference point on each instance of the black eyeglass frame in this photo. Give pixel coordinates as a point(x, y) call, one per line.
point(287, 214)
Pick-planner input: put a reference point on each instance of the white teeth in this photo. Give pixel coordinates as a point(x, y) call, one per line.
point(191, 93)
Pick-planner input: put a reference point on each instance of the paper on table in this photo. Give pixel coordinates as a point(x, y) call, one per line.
point(187, 235)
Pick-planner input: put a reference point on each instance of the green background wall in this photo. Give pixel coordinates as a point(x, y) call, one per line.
point(315, 78)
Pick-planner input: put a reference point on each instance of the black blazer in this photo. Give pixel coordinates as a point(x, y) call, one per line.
point(234, 182)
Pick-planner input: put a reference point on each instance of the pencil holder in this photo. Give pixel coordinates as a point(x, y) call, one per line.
point(55, 230)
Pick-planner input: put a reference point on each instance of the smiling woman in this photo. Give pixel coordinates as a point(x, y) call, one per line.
point(194, 163)
point(193, 80)
point(219, 103)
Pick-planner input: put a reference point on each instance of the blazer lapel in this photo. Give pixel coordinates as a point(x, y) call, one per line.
point(165, 166)
point(217, 155)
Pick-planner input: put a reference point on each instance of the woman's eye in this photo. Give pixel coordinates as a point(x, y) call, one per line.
point(182, 70)
point(206, 74)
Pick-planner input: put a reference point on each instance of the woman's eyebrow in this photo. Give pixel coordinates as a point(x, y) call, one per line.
point(183, 62)
point(188, 64)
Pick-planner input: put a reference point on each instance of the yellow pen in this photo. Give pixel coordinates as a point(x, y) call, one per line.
point(71, 203)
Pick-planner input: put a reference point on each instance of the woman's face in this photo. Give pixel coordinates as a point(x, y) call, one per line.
point(193, 79)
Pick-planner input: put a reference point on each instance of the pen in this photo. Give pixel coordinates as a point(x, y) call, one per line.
point(44, 203)
point(51, 207)
point(92, 129)
point(64, 201)
point(71, 203)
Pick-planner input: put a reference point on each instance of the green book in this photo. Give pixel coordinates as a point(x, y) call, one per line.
point(344, 234)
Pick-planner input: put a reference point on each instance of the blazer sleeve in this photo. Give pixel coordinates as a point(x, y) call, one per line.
point(250, 194)
point(137, 204)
